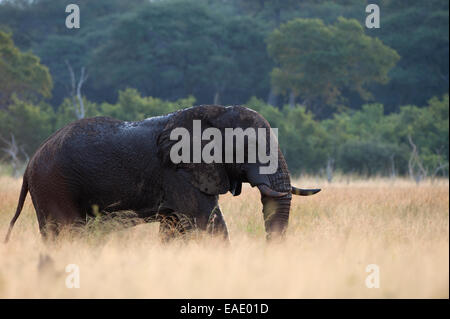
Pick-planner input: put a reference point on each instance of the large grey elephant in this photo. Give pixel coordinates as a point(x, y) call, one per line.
point(112, 165)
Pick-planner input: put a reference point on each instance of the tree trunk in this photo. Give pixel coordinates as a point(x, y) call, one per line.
point(272, 98)
point(292, 99)
point(414, 160)
point(76, 91)
point(216, 98)
point(393, 173)
point(330, 168)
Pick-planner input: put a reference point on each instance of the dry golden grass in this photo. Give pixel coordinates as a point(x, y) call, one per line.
point(332, 237)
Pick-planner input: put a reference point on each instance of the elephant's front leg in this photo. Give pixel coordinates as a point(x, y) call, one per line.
point(174, 225)
point(216, 224)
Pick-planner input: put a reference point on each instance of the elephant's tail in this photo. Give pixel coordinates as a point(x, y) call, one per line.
point(304, 192)
point(23, 195)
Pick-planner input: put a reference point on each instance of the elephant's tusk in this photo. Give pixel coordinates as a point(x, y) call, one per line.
point(267, 191)
point(304, 192)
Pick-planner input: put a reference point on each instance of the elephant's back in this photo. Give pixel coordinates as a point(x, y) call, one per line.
point(86, 130)
point(68, 143)
point(89, 131)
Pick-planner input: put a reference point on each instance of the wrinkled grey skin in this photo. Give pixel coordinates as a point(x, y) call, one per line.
point(114, 166)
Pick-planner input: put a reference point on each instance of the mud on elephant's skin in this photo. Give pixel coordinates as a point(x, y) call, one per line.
point(114, 165)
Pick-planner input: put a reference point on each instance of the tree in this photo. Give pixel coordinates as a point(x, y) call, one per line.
point(365, 142)
point(426, 131)
point(317, 62)
point(173, 49)
point(21, 73)
point(77, 98)
point(302, 139)
point(29, 124)
point(272, 13)
point(267, 9)
point(12, 152)
point(57, 52)
point(38, 26)
point(131, 106)
point(66, 112)
point(419, 31)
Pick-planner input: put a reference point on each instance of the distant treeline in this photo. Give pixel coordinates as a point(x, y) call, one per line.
point(346, 98)
point(226, 51)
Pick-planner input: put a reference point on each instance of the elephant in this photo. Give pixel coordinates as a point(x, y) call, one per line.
point(107, 165)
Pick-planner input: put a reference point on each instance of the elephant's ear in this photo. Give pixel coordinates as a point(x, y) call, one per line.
point(210, 178)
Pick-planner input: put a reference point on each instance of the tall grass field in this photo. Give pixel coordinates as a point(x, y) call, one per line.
point(337, 241)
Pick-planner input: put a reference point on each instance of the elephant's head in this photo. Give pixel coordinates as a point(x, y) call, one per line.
point(223, 175)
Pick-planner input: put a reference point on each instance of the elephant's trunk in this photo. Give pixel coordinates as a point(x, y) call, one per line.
point(276, 200)
point(276, 215)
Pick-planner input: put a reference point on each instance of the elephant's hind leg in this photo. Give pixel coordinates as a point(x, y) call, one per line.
point(56, 215)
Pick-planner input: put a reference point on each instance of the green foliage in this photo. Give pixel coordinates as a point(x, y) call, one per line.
point(131, 106)
point(21, 73)
point(416, 29)
point(317, 62)
point(429, 130)
point(66, 112)
point(419, 31)
point(367, 157)
point(174, 49)
point(30, 124)
point(366, 142)
point(56, 52)
point(302, 140)
point(385, 137)
point(268, 10)
point(362, 141)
